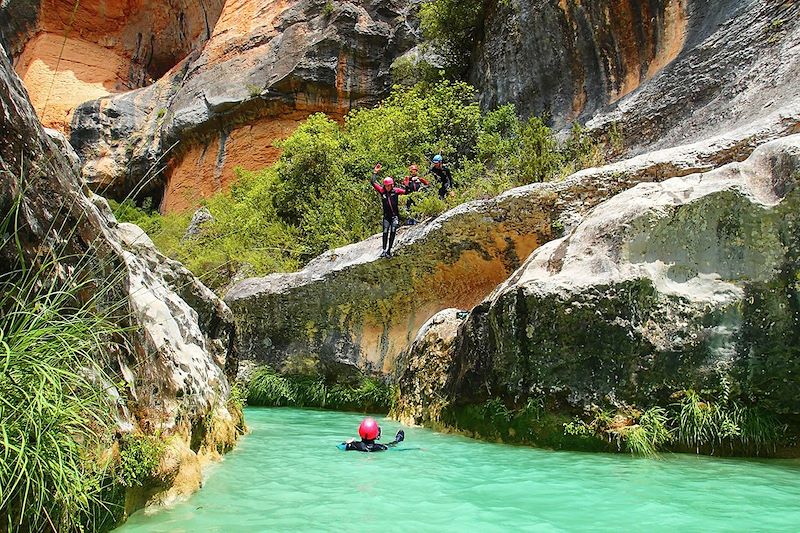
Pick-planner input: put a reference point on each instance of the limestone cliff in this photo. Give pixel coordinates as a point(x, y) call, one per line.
point(667, 72)
point(68, 52)
point(173, 360)
point(167, 99)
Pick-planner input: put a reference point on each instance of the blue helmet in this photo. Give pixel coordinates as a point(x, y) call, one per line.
point(438, 159)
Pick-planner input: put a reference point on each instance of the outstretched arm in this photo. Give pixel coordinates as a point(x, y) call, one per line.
point(424, 181)
point(400, 437)
point(374, 179)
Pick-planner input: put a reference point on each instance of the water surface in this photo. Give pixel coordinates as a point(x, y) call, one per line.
point(287, 475)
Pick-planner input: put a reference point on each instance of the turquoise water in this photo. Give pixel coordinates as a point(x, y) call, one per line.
point(287, 475)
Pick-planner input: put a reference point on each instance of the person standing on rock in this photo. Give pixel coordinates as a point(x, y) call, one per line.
point(445, 177)
point(413, 183)
point(391, 208)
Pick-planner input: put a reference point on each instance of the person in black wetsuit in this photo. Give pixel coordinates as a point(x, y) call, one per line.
point(391, 208)
point(413, 183)
point(370, 431)
point(440, 170)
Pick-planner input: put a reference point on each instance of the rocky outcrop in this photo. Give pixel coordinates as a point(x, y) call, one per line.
point(347, 307)
point(674, 71)
point(424, 370)
point(267, 65)
point(688, 283)
point(179, 333)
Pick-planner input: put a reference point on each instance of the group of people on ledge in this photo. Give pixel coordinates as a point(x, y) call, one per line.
point(390, 196)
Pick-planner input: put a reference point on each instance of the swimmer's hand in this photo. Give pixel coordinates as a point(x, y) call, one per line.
point(400, 437)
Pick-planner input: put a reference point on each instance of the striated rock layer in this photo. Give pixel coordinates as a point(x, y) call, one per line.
point(267, 65)
point(688, 283)
point(174, 359)
point(666, 72)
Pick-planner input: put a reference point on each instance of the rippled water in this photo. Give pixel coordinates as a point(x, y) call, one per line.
point(287, 475)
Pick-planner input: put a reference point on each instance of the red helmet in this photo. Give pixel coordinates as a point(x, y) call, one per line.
point(388, 181)
point(369, 430)
point(413, 168)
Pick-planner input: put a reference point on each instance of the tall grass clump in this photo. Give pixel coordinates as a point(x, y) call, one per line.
point(708, 424)
point(55, 414)
point(56, 411)
point(649, 435)
point(716, 424)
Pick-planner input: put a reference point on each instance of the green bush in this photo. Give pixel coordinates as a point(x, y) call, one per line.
point(453, 26)
point(140, 456)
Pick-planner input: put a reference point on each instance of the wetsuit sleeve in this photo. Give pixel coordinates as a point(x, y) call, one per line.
point(400, 190)
point(406, 181)
point(374, 182)
point(449, 177)
point(424, 181)
point(355, 446)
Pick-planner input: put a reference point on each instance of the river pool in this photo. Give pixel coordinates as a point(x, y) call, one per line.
point(288, 475)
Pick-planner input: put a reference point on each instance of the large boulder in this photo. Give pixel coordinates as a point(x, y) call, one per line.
point(179, 333)
point(425, 369)
point(687, 283)
point(672, 71)
point(349, 308)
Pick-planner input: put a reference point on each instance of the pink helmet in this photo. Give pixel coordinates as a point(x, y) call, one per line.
point(388, 181)
point(369, 430)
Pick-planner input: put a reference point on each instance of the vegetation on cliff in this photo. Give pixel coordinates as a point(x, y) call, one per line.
point(693, 422)
point(317, 196)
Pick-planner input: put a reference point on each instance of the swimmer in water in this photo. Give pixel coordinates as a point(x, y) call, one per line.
point(370, 431)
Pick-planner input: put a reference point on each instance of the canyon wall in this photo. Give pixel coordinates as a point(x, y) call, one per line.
point(69, 52)
point(662, 73)
point(266, 66)
point(686, 284)
point(171, 364)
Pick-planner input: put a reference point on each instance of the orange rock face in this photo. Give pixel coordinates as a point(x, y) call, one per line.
point(62, 73)
point(266, 66)
point(85, 50)
point(205, 169)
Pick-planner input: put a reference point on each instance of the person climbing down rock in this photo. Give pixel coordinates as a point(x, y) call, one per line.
point(370, 431)
point(440, 170)
point(391, 208)
point(413, 183)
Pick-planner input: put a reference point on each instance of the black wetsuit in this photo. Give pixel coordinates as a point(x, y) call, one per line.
point(365, 446)
point(372, 446)
point(391, 212)
point(445, 178)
